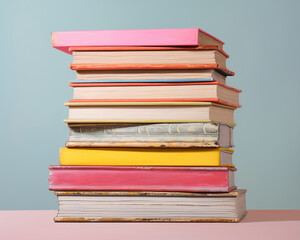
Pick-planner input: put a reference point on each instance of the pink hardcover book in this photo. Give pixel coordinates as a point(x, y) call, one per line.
point(133, 178)
point(139, 37)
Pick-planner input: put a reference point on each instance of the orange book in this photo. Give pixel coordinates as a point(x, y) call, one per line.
point(141, 66)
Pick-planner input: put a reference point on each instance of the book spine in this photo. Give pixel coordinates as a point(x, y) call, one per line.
point(139, 179)
point(177, 132)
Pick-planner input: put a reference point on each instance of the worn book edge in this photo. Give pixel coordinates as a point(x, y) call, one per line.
point(72, 144)
point(139, 121)
point(234, 193)
point(231, 220)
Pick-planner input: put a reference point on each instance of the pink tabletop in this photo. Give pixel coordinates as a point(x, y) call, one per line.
point(259, 224)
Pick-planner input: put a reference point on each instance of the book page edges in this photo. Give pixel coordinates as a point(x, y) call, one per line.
point(206, 33)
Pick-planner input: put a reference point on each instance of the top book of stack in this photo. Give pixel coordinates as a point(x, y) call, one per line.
point(189, 37)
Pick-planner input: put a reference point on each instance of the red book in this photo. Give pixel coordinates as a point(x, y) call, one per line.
point(119, 178)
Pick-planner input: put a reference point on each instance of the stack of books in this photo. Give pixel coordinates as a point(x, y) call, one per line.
point(151, 126)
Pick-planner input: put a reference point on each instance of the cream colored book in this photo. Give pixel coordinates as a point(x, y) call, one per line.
point(190, 56)
point(213, 92)
point(93, 112)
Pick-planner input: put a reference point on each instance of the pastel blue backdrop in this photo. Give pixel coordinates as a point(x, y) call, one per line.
point(262, 39)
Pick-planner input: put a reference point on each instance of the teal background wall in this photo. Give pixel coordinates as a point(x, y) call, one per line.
point(262, 39)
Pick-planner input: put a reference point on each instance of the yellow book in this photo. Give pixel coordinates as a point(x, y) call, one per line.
point(146, 156)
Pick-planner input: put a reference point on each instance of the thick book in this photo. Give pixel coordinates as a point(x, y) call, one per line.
point(134, 37)
point(150, 112)
point(148, 76)
point(91, 206)
point(133, 178)
point(145, 157)
point(151, 56)
point(189, 92)
point(150, 135)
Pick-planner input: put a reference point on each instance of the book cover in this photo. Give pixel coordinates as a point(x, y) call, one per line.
point(135, 37)
point(146, 157)
point(124, 178)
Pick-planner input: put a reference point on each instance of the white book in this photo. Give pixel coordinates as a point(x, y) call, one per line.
point(151, 206)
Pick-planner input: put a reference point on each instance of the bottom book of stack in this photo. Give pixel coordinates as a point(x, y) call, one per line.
point(119, 206)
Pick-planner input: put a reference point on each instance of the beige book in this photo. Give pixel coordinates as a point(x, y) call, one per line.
point(198, 56)
point(93, 112)
point(210, 91)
